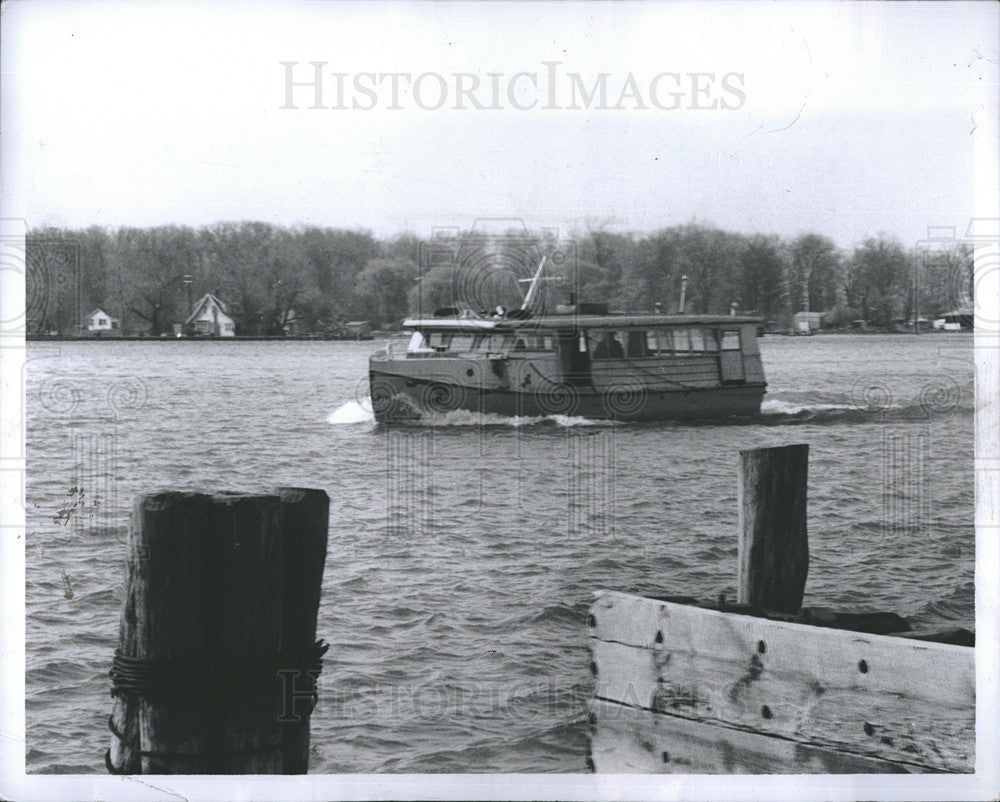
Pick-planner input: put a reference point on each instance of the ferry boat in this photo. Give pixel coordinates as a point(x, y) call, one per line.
point(584, 362)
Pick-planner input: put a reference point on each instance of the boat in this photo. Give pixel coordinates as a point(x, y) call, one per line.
point(581, 360)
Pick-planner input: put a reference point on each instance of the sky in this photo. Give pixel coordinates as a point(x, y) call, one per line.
point(844, 119)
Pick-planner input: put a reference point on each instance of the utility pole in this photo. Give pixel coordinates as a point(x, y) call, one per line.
point(188, 281)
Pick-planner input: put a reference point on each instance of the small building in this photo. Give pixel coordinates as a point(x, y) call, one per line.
point(294, 325)
point(359, 330)
point(209, 319)
point(100, 323)
point(958, 320)
point(807, 322)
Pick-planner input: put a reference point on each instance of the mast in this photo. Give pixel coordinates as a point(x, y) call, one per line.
point(534, 283)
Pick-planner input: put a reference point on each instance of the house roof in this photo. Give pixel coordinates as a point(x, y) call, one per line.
point(206, 299)
point(98, 309)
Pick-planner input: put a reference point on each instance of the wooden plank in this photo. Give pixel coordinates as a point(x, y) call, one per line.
point(773, 546)
point(624, 740)
point(893, 698)
point(789, 647)
point(622, 617)
point(628, 675)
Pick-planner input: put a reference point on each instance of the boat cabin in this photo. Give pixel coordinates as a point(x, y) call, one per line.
point(590, 352)
point(580, 361)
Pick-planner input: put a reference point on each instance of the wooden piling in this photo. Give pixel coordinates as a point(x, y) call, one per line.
point(305, 516)
point(217, 588)
point(773, 544)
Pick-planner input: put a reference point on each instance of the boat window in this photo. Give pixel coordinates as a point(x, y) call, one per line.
point(730, 341)
point(533, 342)
point(460, 342)
point(494, 343)
point(606, 344)
point(711, 341)
point(697, 341)
point(438, 340)
point(660, 342)
point(682, 345)
point(636, 345)
point(417, 343)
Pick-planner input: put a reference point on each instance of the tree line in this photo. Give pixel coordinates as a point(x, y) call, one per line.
point(309, 279)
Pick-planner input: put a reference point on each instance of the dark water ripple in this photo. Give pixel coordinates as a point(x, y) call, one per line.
point(463, 557)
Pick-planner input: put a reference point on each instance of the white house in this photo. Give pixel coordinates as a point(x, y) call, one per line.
point(100, 321)
point(807, 322)
point(209, 319)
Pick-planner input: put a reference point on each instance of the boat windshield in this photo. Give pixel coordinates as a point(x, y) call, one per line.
point(460, 342)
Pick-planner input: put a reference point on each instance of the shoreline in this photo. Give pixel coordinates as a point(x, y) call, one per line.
point(401, 333)
point(238, 338)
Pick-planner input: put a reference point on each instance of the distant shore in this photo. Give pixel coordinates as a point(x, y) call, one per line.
point(390, 334)
point(167, 338)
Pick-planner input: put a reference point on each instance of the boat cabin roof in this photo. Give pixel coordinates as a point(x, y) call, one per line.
point(554, 322)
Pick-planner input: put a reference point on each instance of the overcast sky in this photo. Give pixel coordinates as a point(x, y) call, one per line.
point(845, 119)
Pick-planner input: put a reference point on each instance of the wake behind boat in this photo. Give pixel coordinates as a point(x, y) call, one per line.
point(582, 361)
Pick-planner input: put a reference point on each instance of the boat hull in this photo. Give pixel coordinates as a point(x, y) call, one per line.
point(402, 398)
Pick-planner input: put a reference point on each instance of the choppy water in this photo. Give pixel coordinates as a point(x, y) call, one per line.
point(463, 557)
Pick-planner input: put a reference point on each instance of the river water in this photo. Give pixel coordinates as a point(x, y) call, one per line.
point(463, 557)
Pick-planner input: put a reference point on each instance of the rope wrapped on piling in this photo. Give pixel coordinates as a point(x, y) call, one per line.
point(219, 678)
point(225, 676)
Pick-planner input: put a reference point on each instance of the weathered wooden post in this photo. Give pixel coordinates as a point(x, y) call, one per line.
point(214, 621)
point(773, 542)
point(305, 518)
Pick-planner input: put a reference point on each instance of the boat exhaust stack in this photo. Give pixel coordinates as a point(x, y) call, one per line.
point(684, 286)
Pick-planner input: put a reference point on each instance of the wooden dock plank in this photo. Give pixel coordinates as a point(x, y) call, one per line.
point(625, 740)
point(890, 698)
point(923, 669)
